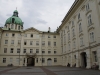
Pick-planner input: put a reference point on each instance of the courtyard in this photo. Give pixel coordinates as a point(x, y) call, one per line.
point(47, 71)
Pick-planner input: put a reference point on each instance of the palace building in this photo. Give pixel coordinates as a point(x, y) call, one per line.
point(76, 42)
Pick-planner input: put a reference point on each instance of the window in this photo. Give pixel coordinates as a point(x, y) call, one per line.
point(5, 50)
point(73, 32)
point(31, 35)
point(12, 41)
point(79, 16)
point(11, 51)
point(54, 36)
point(43, 43)
point(74, 44)
point(55, 52)
point(11, 60)
point(49, 52)
point(37, 43)
point(43, 60)
point(19, 41)
point(55, 59)
point(4, 60)
point(69, 46)
point(18, 27)
point(37, 60)
point(95, 56)
point(6, 34)
point(18, 50)
point(37, 50)
point(43, 52)
point(31, 50)
point(72, 23)
point(68, 36)
point(81, 41)
point(6, 41)
point(89, 20)
point(54, 43)
point(48, 36)
point(80, 27)
point(24, 51)
point(49, 43)
point(13, 35)
point(31, 42)
point(12, 26)
point(87, 7)
point(25, 35)
point(92, 37)
point(25, 43)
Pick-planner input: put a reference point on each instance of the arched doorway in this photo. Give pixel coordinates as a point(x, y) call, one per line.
point(30, 61)
point(83, 59)
point(49, 62)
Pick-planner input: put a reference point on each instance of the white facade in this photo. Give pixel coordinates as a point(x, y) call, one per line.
point(76, 42)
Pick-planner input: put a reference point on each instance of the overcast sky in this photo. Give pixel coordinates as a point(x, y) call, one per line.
point(39, 14)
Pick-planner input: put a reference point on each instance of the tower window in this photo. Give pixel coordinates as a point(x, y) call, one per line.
point(13, 20)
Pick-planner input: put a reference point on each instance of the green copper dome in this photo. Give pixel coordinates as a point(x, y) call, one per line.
point(14, 19)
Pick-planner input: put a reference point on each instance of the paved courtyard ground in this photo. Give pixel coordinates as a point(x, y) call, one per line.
point(46, 71)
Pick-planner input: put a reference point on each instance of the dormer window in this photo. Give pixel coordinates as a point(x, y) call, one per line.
point(13, 20)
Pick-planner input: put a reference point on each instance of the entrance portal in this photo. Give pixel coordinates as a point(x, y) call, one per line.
point(83, 59)
point(49, 61)
point(30, 61)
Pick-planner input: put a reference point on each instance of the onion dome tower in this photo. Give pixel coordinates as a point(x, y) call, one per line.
point(14, 22)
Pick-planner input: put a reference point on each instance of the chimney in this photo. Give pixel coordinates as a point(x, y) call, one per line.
point(49, 29)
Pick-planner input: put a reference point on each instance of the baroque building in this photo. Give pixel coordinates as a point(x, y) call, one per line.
point(76, 41)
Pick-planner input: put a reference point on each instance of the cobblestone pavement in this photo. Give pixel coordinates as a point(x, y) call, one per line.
point(46, 71)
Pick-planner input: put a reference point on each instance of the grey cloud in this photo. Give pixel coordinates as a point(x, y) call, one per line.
point(9, 15)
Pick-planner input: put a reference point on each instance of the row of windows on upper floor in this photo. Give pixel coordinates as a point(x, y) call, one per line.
point(26, 35)
point(31, 43)
point(89, 17)
point(4, 60)
point(82, 40)
point(31, 51)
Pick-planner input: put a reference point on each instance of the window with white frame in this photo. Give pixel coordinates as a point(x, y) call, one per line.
point(31, 42)
point(25, 42)
point(55, 59)
point(24, 51)
point(73, 32)
point(11, 50)
point(18, 50)
point(37, 50)
point(68, 36)
point(6, 34)
point(43, 60)
point(79, 16)
point(87, 7)
point(12, 41)
point(80, 27)
point(92, 36)
point(49, 43)
point(4, 60)
point(89, 20)
point(81, 41)
point(95, 56)
point(31, 50)
point(54, 43)
point(5, 50)
point(43, 43)
point(19, 41)
point(37, 43)
point(72, 23)
point(6, 41)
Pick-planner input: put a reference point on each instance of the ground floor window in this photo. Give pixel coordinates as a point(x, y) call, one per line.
point(55, 59)
point(4, 60)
